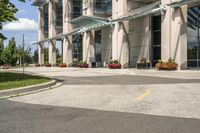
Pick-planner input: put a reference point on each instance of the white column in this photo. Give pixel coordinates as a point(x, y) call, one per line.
point(88, 37)
point(67, 27)
point(120, 43)
point(52, 33)
point(41, 37)
point(174, 35)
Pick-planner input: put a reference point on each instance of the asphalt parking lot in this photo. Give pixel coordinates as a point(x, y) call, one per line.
point(26, 118)
point(105, 101)
point(122, 80)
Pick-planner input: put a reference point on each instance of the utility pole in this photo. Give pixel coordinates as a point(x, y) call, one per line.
point(23, 55)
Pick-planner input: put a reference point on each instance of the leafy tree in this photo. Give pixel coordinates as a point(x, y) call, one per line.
point(7, 13)
point(35, 56)
point(9, 54)
point(58, 56)
point(26, 54)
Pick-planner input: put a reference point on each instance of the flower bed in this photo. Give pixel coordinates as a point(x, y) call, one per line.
point(114, 64)
point(37, 65)
point(143, 64)
point(170, 65)
point(5, 66)
point(82, 65)
point(62, 65)
point(48, 65)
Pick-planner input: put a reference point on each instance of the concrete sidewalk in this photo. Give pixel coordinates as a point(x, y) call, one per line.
point(80, 72)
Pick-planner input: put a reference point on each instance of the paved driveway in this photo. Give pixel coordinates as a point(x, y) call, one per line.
point(27, 118)
point(121, 80)
point(108, 102)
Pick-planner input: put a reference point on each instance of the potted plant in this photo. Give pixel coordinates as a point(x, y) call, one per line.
point(48, 65)
point(143, 64)
point(114, 64)
point(169, 65)
point(75, 63)
point(160, 65)
point(62, 65)
point(37, 65)
point(82, 64)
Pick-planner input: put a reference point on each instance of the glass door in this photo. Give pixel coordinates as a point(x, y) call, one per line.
point(193, 36)
point(156, 39)
point(77, 47)
point(98, 48)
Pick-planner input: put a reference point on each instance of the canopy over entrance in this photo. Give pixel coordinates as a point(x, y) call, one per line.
point(38, 2)
point(141, 12)
point(180, 3)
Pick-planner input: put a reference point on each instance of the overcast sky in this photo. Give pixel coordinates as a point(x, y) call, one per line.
point(27, 24)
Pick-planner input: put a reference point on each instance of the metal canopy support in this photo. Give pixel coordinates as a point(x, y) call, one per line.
point(85, 23)
point(179, 3)
point(88, 20)
point(38, 2)
point(141, 12)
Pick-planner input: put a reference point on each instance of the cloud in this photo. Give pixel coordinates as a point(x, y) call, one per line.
point(23, 24)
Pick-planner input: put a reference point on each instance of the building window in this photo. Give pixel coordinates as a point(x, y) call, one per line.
point(77, 47)
point(45, 19)
point(98, 49)
point(77, 7)
point(103, 6)
point(156, 39)
point(59, 17)
point(193, 35)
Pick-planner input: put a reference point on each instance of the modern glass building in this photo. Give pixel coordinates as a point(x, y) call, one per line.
point(97, 31)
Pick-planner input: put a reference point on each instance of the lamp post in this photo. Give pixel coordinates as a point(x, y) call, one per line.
point(23, 55)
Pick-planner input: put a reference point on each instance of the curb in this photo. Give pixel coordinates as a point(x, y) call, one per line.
point(27, 90)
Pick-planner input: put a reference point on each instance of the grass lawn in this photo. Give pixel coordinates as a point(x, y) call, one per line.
point(15, 80)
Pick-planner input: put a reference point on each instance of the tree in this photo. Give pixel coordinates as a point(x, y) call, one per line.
point(35, 56)
point(26, 54)
point(9, 54)
point(7, 13)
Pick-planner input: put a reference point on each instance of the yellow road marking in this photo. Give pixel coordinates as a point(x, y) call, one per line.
point(146, 93)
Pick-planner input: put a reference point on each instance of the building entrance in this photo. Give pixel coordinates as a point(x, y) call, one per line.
point(156, 39)
point(77, 47)
point(98, 48)
point(193, 36)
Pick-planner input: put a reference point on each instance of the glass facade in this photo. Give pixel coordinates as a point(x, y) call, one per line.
point(45, 24)
point(59, 17)
point(193, 36)
point(77, 7)
point(156, 39)
point(77, 47)
point(103, 6)
point(98, 49)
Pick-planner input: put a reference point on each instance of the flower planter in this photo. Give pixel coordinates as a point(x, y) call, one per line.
point(82, 65)
point(62, 65)
point(5, 66)
point(168, 66)
point(114, 66)
point(48, 65)
point(143, 65)
point(37, 65)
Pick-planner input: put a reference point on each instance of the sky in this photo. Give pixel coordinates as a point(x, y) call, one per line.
point(27, 24)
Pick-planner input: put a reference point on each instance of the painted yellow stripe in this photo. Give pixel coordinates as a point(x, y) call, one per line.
point(146, 93)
